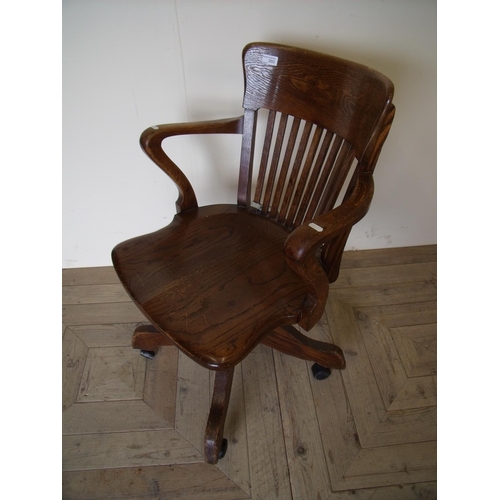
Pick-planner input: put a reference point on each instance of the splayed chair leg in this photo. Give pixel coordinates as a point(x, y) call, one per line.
point(215, 426)
point(148, 338)
point(289, 340)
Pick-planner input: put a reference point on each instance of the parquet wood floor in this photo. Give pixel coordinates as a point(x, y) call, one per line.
point(133, 429)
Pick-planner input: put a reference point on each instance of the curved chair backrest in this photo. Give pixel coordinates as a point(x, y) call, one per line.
point(328, 119)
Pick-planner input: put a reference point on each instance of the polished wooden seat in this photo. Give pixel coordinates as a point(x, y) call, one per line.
point(225, 278)
point(220, 279)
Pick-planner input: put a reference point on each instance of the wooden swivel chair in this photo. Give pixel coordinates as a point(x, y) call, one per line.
point(220, 279)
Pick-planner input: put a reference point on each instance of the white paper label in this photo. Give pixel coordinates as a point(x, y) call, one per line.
point(316, 227)
point(270, 60)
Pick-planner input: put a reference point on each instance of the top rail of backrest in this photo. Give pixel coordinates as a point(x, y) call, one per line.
point(347, 98)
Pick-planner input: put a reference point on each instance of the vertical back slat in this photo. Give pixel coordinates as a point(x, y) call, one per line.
point(265, 155)
point(337, 178)
point(303, 177)
point(274, 162)
point(321, 165)
point(318, 165)
point(285, 165)
point(306, 132)
point(246, 161)
point(327, 169)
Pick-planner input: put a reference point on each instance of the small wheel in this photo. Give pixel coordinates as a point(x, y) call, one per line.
point(148, 354)
point(223, 448)
point(320, 372)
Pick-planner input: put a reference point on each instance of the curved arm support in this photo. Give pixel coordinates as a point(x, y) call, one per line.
point(152, 138)
point(302, 243)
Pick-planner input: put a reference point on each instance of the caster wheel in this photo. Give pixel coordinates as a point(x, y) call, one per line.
point(148, 354)
point(223, 448)
point(320, 372)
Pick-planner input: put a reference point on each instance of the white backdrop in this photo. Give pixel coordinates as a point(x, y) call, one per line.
point(130, 64)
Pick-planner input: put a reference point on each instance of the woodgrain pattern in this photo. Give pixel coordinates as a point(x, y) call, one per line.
point(306, 460)
point(127, 449)
point(317, 89)
point(290, 436)
point(160, 384)
point(176, 275)
point(74, 355)
point(236, 462)
point(193, 299)
point(266, 449)
point(192, 401)
point(214, 433)
point(111, 416)
point(219, 279)
point(154, 482)
point(112, 373)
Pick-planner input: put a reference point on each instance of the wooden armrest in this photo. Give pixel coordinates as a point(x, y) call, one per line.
point(152, 138)
point(302, 243)
point(305, 239)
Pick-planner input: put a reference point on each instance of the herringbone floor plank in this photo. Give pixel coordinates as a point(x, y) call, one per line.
point(133, 429)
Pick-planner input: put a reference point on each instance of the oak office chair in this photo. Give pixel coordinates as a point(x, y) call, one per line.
point(218, 280)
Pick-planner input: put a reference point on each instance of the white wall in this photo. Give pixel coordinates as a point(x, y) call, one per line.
point(130, 64)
